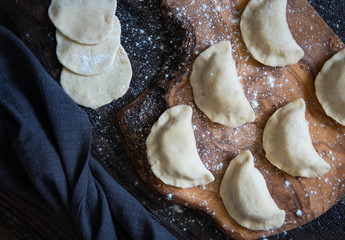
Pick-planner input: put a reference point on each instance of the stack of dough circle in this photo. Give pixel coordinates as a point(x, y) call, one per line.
point(88, 59)
point(96, 69)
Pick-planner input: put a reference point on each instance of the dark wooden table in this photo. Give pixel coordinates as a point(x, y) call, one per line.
point(149, 46)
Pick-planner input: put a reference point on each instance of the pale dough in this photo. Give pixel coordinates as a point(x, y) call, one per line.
point(217, 89)
point(84, 21)
point(288, 145)
point(98, 90)
point(172, 152)
point(330, 87)
point(88, 59)
point(246, 197)
point(266, 33)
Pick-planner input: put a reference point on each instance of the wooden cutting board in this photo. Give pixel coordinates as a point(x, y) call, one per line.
point(203, 23)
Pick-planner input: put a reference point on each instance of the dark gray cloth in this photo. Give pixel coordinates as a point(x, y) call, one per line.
point(45, 141)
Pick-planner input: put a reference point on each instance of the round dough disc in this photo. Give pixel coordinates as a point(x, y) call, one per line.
point(98, 90)
point(84, 21)
point(88, 59)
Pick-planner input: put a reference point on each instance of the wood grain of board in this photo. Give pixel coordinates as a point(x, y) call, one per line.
point(267, 88)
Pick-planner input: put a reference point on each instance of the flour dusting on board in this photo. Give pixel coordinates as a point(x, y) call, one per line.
point(217, 145)
point(261, 84)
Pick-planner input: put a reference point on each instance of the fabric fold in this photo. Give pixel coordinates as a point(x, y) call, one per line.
point(45, 153)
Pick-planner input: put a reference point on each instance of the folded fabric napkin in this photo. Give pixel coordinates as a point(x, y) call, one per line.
point(45, 141)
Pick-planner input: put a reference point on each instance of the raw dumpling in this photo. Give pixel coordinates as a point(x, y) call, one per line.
point(88, 59)
point(98, 90)
point(330, 86)
point(172, 152)
point(266, 33)
point(288, 145)
point(217, 89)
point(84, 21)
point(246, 197)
